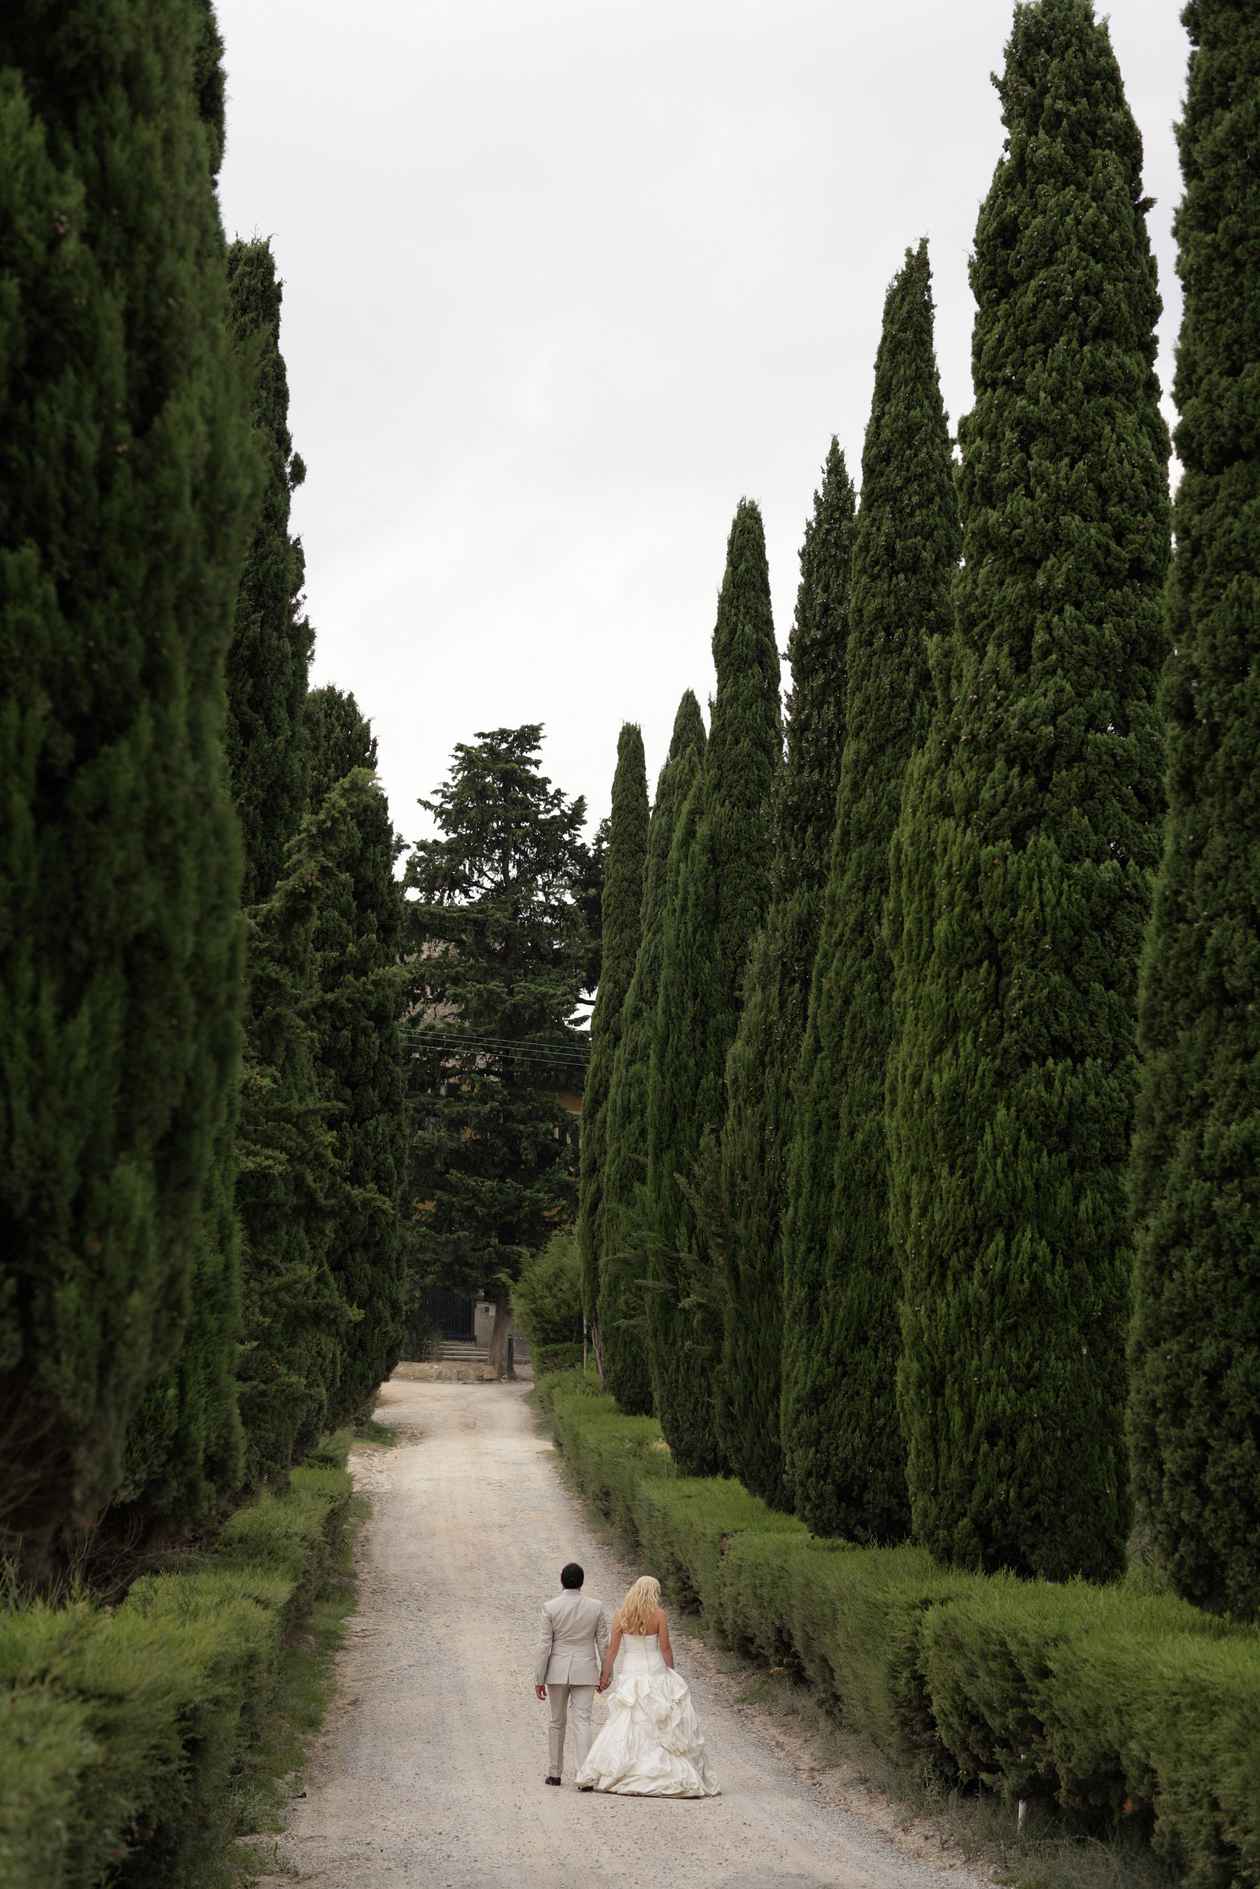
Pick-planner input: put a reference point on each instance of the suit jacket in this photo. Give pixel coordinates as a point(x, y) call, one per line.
point(573, 1641)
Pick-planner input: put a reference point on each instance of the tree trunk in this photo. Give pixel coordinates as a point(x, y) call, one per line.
point(498, 1336)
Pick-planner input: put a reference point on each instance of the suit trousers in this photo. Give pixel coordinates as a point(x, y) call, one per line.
point(559, 1698)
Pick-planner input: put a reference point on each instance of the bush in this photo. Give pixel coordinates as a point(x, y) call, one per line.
point(547, 1299)
point(121, 1730)
point(548, 1359)
point(1116, 1704)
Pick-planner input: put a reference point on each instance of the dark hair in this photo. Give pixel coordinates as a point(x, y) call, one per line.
point(571, 1575)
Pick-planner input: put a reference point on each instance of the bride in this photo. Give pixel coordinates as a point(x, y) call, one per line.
point(651, 1744)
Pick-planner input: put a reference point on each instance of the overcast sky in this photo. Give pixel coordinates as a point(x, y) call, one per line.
point(564, 279)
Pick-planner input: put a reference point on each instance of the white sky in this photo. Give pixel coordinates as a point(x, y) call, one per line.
point(564, 279)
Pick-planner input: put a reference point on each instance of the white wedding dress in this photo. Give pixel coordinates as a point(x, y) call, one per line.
point(651, 1744)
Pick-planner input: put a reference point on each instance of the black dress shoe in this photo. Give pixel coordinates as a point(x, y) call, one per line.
point(586, 1787)
point(551, 1780)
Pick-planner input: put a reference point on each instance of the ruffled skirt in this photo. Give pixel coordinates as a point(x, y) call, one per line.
point(651, 1744)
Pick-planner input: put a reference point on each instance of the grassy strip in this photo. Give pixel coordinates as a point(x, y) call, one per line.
point(126, 1732)
point(1132, 1712)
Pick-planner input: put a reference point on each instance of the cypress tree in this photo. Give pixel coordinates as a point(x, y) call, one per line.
point(622, 911)
point(272, 642)
point(294, 1318)
point(1029, 828)
point(717, 890)
point(621, 1306)
point(841, 1438)
point(348, 838)
point(337, 740)
point(760, 1069)
point(128, 484)
point(1195, 1345)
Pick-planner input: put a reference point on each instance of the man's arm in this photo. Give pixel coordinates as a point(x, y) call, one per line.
point(544, 1655)
point(607, 1653)
point(611, 1653)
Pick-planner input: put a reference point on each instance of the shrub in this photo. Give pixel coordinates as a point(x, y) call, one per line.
point(547, 1298)
point(121, 1730)
point(1114, 1704)
point(551, 1358)
point(1117, 1704)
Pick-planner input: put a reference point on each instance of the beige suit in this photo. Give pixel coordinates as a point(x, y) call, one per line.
point(571, 1651)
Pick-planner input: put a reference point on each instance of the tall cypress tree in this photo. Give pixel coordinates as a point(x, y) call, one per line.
point(348, 837)
point(294, 1318)
point(841, 1438)
point(621, 1306)
point(272, 642)
point(761, 1067)
point(1195, 1346)
point(129, 477)
point(717, 891)
point(1021, 870)
point(624, 863)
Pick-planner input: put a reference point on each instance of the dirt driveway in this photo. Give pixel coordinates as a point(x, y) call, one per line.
point(429, 1772)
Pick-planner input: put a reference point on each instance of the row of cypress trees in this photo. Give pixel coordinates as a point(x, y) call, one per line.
point(864, 1233)
point(199, 990)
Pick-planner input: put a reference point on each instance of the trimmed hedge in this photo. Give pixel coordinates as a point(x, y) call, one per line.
point(121, 1729)
point(1118, 1705)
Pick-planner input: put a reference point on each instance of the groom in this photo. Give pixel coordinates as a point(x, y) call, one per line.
point(570, 1654)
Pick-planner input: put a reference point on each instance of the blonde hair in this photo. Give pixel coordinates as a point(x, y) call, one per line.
point(641, 1606)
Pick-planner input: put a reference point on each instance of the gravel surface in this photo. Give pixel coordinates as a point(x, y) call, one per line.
point(429, 1772)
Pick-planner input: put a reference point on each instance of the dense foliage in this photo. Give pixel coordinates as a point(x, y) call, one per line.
point(624, 862)
point(717, 890)
point(1195, 1411)
point(294, 1314)
point(841, 1437)
point(1022, 863)
point(761, 1067)
point(128, 478)
point(272, 641)
point(621, 1308)
point(499, 946)
point(547, 1299)
point(350, 848)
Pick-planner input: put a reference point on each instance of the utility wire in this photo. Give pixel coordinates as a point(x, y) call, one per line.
point(446, 1039)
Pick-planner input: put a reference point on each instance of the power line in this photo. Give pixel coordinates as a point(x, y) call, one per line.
point(449, 1043)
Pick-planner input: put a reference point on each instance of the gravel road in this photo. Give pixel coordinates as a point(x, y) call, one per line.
point(429, 1772)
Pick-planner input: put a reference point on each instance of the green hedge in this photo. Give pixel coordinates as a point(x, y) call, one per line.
point(552, 1358)
point(121, 1729)
point(1117, 1705)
